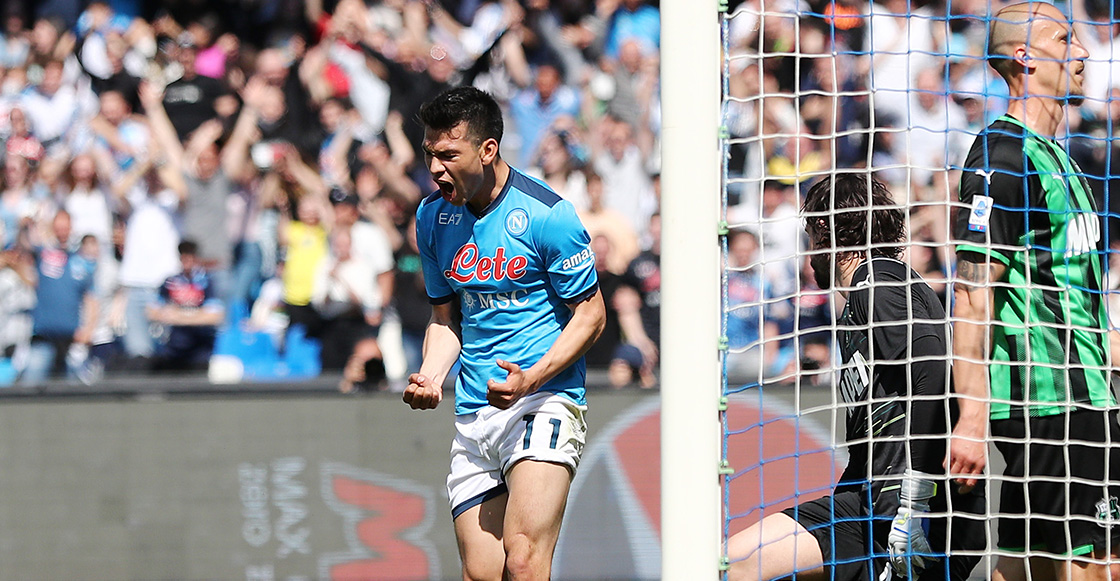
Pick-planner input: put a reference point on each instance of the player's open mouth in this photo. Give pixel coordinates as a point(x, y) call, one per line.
point(447, 190)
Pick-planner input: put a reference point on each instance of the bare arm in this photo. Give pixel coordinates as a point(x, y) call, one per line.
point(311, 73)
point(285, 219)
point(335, 168)
point(380, 218)
point(163, 132)
point(513, 53)
point(442, 19)
point(392, 175)
point(400, 147)
point(180, 317)
point(91, 312)
point(235, 154)
point(107, 168)
point(628, 303)
point(385, 282)
point(106, 131)
point(22, 265)
point(373, 313)
point(206, 135)
point(121, 187)
point(646, 89)
point(442, 343)
point(588, 319)
point(172, 177)
point(973, 296)
point(416, 22)
point(313, 11)
point(302, 174)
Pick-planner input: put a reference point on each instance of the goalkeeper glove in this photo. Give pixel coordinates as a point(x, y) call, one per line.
point(909, 548)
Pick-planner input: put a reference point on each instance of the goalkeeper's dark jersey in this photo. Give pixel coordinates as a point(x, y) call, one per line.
point(1030, 208)
point(894, 379)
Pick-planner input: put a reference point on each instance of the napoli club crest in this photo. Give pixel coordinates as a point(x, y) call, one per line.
point(517, 222)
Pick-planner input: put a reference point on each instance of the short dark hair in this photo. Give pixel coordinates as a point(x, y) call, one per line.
point(772, 184)
point(837, 209)
point(454, 106)
point(342, 101)
point(188, 247)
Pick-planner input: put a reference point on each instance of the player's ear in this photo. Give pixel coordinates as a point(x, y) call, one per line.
point(1023, 57)
point(488, 151)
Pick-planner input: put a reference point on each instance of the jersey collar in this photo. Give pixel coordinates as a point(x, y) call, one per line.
point(1013, 121)
point(863, 272)
point(1027, 130)
point(498, 200)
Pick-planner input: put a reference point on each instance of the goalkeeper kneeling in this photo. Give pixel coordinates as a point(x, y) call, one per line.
point(892, 515)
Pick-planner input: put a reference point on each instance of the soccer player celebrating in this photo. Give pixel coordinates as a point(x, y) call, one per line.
point(1031, 341)
point(510, 274)
point(881, 520)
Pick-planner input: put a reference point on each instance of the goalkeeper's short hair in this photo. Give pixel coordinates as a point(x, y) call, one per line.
point(837, 211)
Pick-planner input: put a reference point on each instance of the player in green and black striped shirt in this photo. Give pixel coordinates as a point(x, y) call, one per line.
point(1031, 333)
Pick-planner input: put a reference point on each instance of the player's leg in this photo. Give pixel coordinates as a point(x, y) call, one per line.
point(538, 493)
point(1013, 521)
point(967, 524)
point(1053, 499)
point(478, 499)
point(1094, 569)
point(774, 548)
point(1077, 452)
point(1011, 569)
point(541, 445)
point(478, 532)
point(826, 538)
point(1094, 463)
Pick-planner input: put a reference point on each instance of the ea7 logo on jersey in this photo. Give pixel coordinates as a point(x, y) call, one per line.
point(448, 219)
point(577, 259)
point(1082, 234)
point(469, 265)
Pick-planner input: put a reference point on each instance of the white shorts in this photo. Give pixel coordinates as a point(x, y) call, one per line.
point(544, 426)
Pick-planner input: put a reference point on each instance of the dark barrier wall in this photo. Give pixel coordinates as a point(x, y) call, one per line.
point(310, 487)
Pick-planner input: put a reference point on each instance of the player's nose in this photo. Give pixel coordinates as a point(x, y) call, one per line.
point(435, 166)
point(1078, 50)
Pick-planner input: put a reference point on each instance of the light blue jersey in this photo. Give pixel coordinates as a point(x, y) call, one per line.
point(515, 268)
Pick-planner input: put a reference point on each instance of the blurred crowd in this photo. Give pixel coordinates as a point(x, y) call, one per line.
point(206, 185)
point(211, 184)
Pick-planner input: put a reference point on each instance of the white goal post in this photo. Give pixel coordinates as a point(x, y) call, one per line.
point(691, 520)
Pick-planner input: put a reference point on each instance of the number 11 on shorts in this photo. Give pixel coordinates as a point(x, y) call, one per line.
point(528, 419)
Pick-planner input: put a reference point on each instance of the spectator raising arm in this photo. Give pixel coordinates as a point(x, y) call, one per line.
point(207, 316)
point(91, 313)
point(291, 167)
point(163, 132)
point(392, 175)
point(235, 155)
point(125, 183)
point(202, 138)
